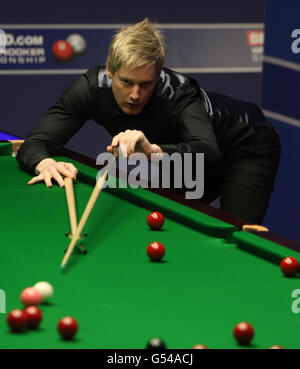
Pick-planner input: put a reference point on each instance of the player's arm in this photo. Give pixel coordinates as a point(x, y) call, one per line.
point(60, 123)
point(194, 127)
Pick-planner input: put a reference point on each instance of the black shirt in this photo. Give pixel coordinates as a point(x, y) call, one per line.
point(179, 117)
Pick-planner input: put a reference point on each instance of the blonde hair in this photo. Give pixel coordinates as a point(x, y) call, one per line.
point(135, 46)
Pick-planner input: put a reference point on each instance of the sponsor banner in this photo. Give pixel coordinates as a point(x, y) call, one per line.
point(283, 30)
point(191, 48)
point(281, 77)
point(221, 49)
point(53, 48)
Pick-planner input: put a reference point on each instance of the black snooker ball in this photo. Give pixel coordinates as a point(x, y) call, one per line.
point(156, 344)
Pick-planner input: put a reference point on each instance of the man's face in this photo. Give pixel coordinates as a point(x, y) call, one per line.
point(133, 87)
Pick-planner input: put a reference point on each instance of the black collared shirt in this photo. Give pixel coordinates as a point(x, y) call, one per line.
point(179, 117)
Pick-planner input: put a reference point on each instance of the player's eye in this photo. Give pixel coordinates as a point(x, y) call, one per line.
point(147, 84)
point(126, 82)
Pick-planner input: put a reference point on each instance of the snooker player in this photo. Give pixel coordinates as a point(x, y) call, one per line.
point(154, 110)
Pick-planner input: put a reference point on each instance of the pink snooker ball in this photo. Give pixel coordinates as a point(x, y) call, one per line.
point(30, 296)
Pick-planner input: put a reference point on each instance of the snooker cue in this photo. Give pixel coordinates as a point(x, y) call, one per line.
point(87, 211)
point(71, 203)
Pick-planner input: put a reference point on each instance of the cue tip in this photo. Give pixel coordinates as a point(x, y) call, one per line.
point(63, 268)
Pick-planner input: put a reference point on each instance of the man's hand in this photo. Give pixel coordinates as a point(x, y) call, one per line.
point(49, 168)
point(132, 141)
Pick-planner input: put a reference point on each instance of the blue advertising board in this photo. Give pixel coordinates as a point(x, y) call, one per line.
point(191, 48)
point(281, 81)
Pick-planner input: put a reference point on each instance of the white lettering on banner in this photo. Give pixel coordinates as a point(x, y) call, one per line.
point(21, 49)
point(255, 40)
point(25, 52)
point(296, 43)
point(2, 42)
point(24, 40)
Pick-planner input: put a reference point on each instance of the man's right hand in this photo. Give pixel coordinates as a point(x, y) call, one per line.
point(49, 168)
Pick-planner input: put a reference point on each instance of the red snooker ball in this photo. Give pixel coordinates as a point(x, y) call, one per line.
point(200, 347)
point(30, 296)
point(16, 320)
point(67, 327)
point(33, 316)
point(243, 332)
point(289, 266)
point(155, 220)
point(156, 251)
point(62, 50)
point(276, 347)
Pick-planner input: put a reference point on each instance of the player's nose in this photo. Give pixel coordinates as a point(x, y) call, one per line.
point(135, 93)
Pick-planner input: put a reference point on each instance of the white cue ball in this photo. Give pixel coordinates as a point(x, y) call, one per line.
point(45, 289)
point(77, 42)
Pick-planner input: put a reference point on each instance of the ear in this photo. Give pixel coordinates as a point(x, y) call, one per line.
point(108, 72)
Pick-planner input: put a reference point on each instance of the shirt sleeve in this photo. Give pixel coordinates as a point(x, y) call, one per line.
point(61, 122)
point(194, 125)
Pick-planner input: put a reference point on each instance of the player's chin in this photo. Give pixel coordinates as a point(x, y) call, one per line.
point(133, 109)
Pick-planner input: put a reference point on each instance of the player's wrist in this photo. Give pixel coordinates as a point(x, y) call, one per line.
point(43, 164)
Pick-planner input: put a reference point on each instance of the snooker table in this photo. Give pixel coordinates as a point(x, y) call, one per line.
point(213, 274)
